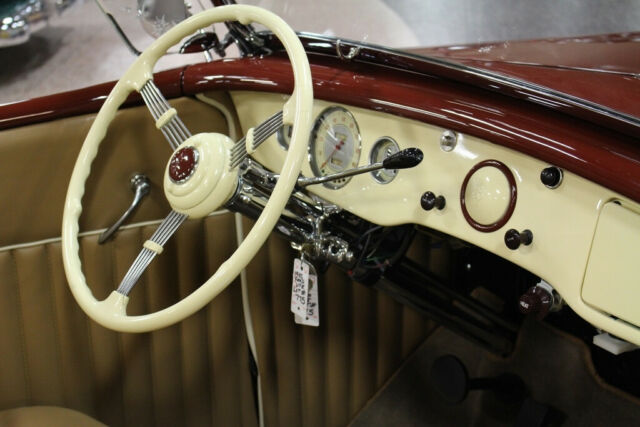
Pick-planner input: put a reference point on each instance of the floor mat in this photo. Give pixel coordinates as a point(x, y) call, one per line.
point(555, 367)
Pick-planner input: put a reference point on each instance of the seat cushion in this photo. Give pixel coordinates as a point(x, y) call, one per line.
point(51, 416)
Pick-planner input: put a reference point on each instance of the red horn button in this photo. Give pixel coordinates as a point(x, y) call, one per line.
point(183, 164)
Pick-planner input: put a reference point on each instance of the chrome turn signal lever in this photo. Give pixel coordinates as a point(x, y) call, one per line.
point(404, 159)
point(141, 187)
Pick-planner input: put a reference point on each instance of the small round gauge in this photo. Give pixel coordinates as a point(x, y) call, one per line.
point(335, 144)
point(383, 148)
point(284, 136)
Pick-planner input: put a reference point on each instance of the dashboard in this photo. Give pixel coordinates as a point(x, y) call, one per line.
point(565, 229)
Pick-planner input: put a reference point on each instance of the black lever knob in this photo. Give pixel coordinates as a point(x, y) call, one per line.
point(451, 380)
point(429, 201)
point(513, 239)
point(404, 159)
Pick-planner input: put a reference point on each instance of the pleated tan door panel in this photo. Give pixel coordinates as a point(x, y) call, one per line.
point(37, 161)
point(194, 373)
point(322, 376)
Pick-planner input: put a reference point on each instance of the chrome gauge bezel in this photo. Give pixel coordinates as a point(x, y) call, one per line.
point(313, 137)
point(383, 176)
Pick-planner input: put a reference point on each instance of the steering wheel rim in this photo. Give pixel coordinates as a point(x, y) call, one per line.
point(111, 312)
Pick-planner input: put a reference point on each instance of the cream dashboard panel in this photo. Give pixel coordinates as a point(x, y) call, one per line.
point(562, 220)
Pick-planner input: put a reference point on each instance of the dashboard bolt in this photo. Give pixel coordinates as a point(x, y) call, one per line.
point(448, 140)
point(551, 177)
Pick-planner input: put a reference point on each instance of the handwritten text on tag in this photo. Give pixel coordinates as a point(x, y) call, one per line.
point(299, 287)
point(312, 317)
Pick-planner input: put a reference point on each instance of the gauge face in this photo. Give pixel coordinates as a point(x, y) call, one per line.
point(383, 148)
point(335, 144)
point(284, 136)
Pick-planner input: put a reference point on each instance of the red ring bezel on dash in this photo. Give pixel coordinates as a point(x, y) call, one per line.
point(487, 228)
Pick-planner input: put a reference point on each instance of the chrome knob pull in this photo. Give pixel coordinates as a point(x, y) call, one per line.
point(141, 187)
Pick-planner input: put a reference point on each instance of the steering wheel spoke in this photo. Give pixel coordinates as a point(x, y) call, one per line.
point(166, 117)
point(152, 247)
point(259, 134)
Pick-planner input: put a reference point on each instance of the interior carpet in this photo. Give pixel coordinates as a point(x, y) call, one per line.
point(555, 367)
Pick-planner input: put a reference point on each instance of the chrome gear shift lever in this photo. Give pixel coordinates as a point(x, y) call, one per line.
point(404, 159)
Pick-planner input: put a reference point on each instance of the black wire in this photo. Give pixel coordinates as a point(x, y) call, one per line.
point(364, 248)
point(368, 232)
point(379, 242)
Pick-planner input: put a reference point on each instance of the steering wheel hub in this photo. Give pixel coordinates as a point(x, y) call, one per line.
point(183, 164)
point(198, 178)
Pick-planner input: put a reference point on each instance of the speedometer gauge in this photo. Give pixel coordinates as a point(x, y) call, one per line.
point(335, 144)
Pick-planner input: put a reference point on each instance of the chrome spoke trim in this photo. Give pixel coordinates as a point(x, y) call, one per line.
point(174, 130)
point(260, 134)
point(160, 237)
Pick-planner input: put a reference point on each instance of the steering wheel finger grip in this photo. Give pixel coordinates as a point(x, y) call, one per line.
point(111, 312)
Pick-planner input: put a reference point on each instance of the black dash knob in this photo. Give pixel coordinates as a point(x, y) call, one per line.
point(513, 239)
point(407, 158)
point(536, 300)
point(551, 177)
point(429, 201)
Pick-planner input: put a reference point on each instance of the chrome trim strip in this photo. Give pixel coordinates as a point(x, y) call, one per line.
point(568, 67)
point(93, 233)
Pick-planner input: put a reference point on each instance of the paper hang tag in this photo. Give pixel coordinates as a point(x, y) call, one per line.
point(299, 287)
point(304, 293)
point(312, 317)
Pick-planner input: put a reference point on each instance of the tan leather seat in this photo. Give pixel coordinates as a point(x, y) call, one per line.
point(51, 416)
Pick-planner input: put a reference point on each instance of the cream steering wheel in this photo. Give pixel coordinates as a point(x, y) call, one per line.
point(207, 183)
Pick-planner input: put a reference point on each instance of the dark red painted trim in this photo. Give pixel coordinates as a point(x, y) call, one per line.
point(604, 156)
point(81, 101)
point(453, 69)
point(594, 152)
point(621, 94)
point(618, 52)
point(513, 196)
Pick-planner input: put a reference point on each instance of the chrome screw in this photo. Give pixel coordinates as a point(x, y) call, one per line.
point(448, 140)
